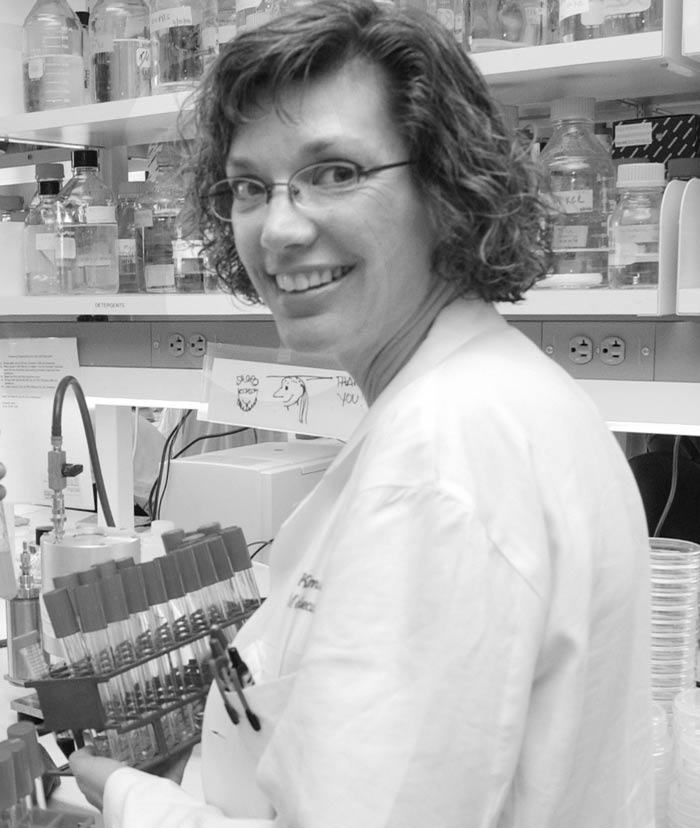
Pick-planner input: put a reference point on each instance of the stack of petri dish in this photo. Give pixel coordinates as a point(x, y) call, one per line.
point(684, 795)
point(675, 578)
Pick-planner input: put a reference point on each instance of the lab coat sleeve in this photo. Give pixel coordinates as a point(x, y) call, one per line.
point(134, 799)
point(410, 702)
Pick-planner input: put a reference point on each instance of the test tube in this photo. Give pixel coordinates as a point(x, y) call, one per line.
point(125, 563)
point(195, 597)
point(88, 576)
point(233, 602)
point(106, 569)
point(216, 603)
point(172, 538)
point(26, 731)
point(135, 682)
point(8, 790)
point(96, 638)
point(79, 663)
point(237, 550)
point(165, 678)
point(23, 780)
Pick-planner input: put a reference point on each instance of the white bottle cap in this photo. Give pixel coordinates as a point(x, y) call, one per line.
point(572, 109)
point(649, 174)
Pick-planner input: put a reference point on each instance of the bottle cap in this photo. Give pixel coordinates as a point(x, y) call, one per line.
point(154, 582)
point(26, 731)
point(23, 775)
point(84, 158)
point(135, 589)
point(8, 789)
point(50, 187)
point(172, 538)
point(106, 569)
point(125, 563)
point(114, 599)
point(236, 547)
point(89, 601)
point(49, 172)
point(205, 564)
point(649, 174)
point(212, 528)
point(565, 109)
point(61, 612)
point(171, 576)
point(187, 566)
point(220, 559)
point(88, 576)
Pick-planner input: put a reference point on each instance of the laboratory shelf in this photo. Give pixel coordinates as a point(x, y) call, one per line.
point(691, 29)
point(588, 302)
point(126, 304)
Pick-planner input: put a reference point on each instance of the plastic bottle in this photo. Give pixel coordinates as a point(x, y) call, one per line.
point(120, 49)
point(87, 251)
point(634, 226)
point(183, 38)
point(581, 19)
point(631, 16)
point(52, 57)
point(130, 215)
point(581, 179)
point(41, 228)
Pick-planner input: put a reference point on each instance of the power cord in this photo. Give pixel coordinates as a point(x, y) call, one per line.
point(674, 484)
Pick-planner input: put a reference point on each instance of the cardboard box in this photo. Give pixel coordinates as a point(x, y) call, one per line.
point(657, 139)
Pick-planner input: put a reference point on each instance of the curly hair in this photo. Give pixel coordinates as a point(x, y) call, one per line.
point(478, 179)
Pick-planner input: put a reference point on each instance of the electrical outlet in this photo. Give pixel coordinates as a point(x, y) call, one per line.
point(580, 349)
point(612, 350)
point(176, 345)
point(197, 344)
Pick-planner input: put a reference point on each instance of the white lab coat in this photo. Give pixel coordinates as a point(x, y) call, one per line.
point(457, 631)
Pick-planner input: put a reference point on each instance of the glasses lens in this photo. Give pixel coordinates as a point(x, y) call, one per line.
point(220, 199)
point(327, 179)
point(247, 193)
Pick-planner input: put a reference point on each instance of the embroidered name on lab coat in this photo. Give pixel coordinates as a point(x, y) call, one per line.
point(305, 598)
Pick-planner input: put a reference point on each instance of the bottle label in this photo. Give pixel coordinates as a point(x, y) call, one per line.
point(65, 247)
point(45, 242)
point(158, 276)
point(143, 218)
point(169, 18)
point(187, 249)
point(569, 8)
point(614, 7)
point(35, 68)
point(101, 43)
point(632, 243)
point(100, 215)
point(633, 135)
point(573, 202)
point(572, 237)
point(126, 248)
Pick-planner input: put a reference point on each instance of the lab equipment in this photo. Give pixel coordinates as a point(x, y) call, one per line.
point(41, 228)
point(120, 49)
point(130, 214)
point(25, 655)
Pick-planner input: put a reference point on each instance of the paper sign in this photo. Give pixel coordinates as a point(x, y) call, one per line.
point(282, 397)
point(30, 370)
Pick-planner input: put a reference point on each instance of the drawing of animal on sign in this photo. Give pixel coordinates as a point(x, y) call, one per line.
point(293, 393)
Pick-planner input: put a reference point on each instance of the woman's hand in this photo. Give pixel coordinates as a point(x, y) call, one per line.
point(91, 773)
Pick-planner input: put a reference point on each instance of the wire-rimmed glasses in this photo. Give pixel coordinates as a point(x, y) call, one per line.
point(311, 186)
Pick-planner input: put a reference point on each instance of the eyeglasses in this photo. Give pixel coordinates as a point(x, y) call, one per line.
point(314, 186)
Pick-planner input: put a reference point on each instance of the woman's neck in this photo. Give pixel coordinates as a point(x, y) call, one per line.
point(374, 376)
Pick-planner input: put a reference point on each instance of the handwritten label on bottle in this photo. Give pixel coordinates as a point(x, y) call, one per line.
point(126, 248)
point(98, 214)
point(569, 8)
point(169, 18)
point(35, 68)
point(573, 237)
point(573, 202)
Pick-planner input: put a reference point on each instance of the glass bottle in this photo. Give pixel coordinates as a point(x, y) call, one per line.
point(120, 49)
point(41, 233)
point(581, 19)
point(634, 226)
point(484, 28)
point(87, 251)
point(165, 198)
point(521, 22)
point(183, 40)
point(84, 18)
point(131, 214)
point(52, 56)
point(451, 14)
point(631, 16)
point(580, 176)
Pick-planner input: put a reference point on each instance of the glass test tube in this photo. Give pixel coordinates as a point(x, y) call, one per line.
point(233, 601)
point(8, 790)
point(26, 731)
point(237, 550)
point(164, 675)
point(135, 681)
point(215, 602)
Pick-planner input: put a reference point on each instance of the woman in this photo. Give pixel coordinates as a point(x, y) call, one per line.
point(456, 631)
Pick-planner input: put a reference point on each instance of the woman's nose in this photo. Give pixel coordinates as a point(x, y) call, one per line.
point(285, 224)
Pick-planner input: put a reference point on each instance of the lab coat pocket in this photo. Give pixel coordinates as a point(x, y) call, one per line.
point(231, 752)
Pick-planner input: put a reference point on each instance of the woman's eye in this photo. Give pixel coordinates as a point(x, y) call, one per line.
point(247, 188)
point(334, 175)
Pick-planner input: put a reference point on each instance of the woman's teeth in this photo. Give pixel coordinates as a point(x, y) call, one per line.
point(296, 282)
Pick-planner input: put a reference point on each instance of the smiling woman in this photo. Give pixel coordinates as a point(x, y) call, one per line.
point(456, 631)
